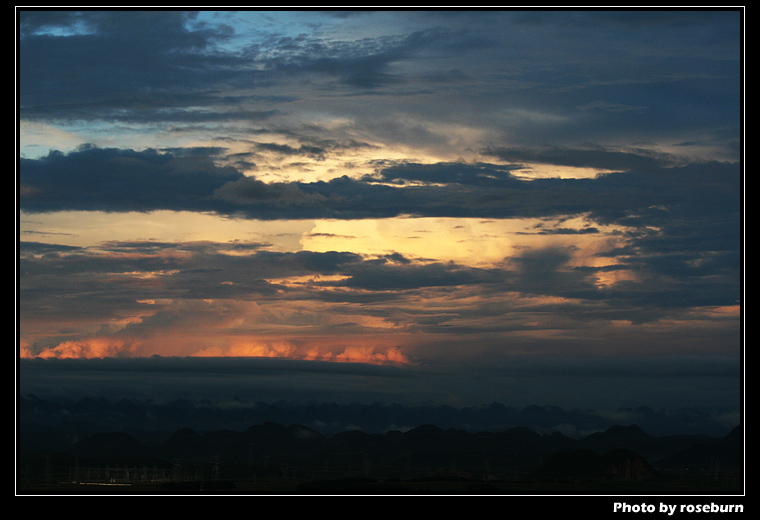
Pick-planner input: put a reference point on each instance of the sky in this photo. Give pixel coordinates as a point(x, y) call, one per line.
point(496, 198)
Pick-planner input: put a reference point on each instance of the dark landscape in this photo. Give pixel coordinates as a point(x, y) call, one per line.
point(85, 446)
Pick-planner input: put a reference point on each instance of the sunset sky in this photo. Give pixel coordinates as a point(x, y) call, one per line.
point(457, 192)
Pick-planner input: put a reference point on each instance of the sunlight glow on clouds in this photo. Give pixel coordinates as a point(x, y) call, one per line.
point(466, 241)
point(379, 187)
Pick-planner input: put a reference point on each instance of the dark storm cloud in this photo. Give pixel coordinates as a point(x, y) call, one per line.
point(113, 54)
point(119, 180)
point(487, 175)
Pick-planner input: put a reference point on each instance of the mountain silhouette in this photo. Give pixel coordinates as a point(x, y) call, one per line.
point(423, 453)
point(423, 444)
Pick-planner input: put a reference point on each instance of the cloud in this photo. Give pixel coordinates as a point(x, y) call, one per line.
point(123, 180)
point(682, 223)
point(119, 180)
point(598, 158)
point(236, 66)
point(89, 64)
point(225, 297)
point(248, 191)
point(462, 188)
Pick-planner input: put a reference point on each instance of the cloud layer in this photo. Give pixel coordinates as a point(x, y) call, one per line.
point(387, 187)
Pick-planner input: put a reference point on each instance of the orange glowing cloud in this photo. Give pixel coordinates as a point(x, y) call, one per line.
point(249, 348)
point(87, 348)
point(375, 354)
point(368, 350)
point(361, 354)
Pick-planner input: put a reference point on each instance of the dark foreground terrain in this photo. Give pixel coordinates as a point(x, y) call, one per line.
point(273, 458)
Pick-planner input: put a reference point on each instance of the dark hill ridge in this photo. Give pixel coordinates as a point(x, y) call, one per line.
point(630, 437)
point(428, 446)
point(587, 464)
